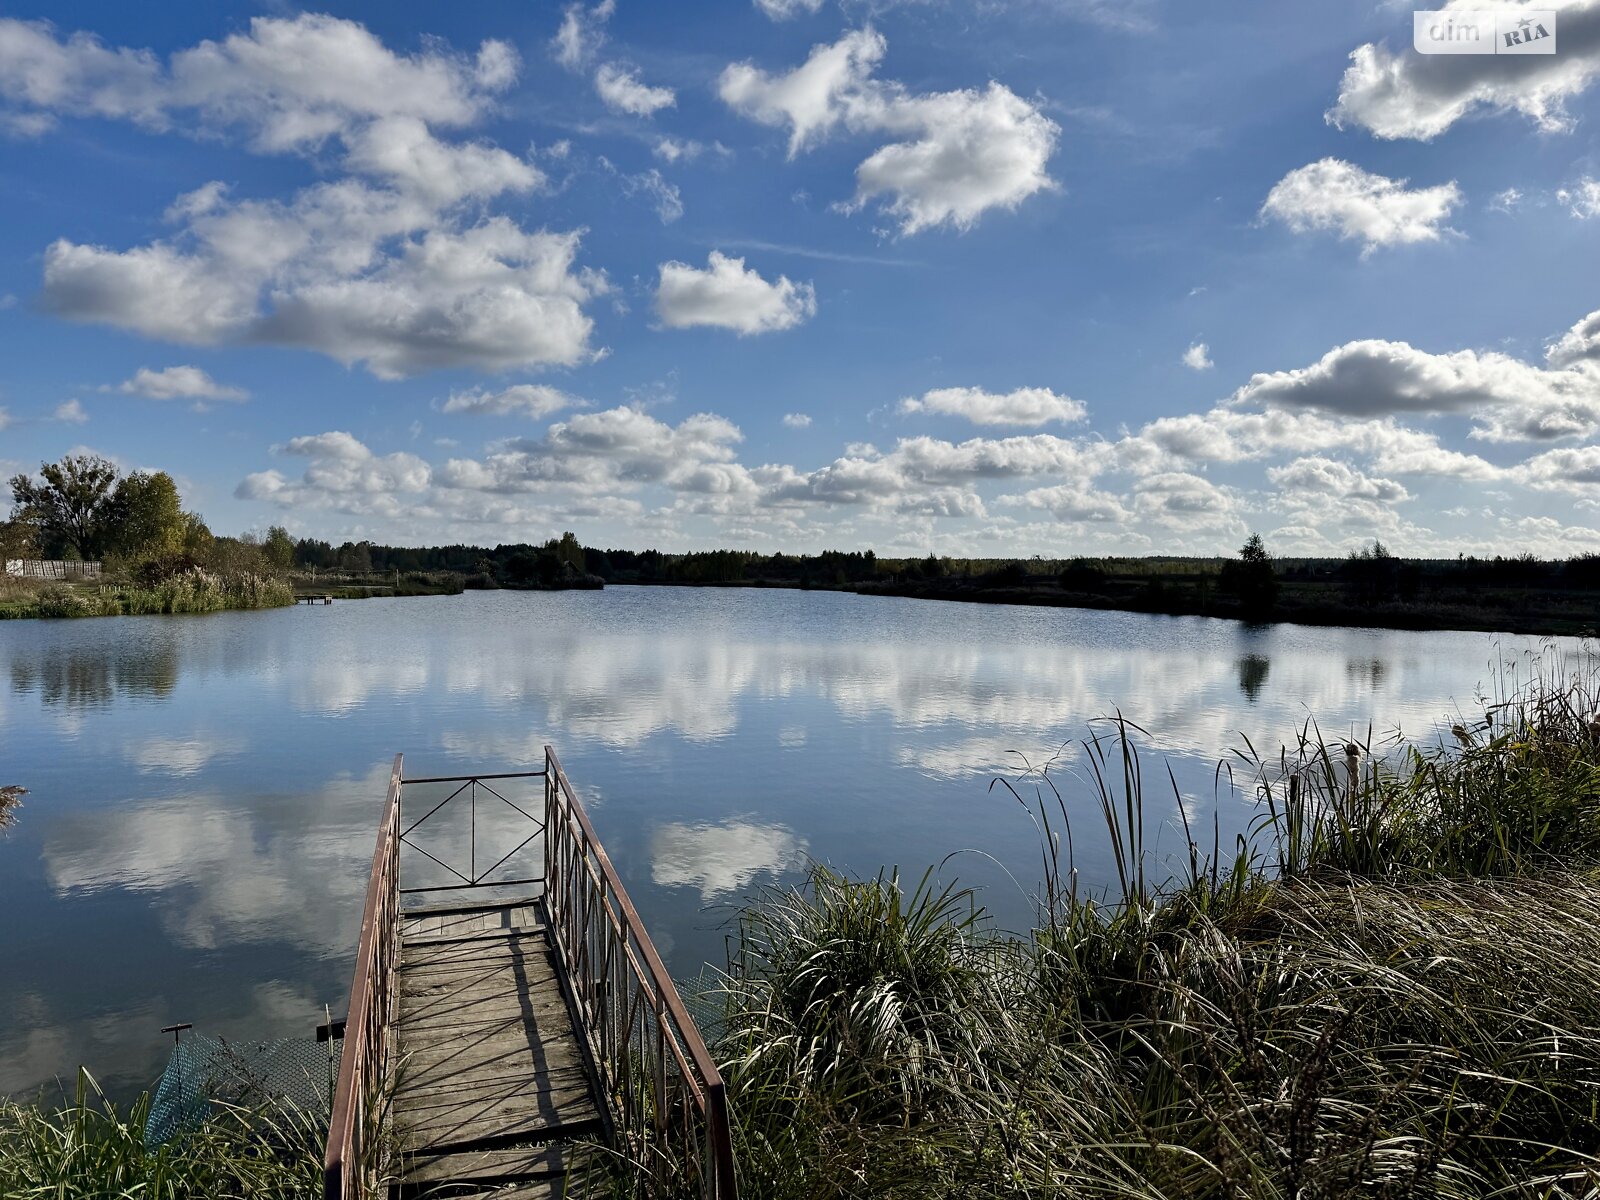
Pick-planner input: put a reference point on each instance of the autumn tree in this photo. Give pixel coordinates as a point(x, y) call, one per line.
point(145, 518)
point(70, 506)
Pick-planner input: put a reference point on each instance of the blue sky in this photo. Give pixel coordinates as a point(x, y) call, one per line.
point(1053, 276)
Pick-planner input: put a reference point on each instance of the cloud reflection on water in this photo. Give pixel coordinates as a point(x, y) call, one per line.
point(224, 836)
point(722, 859)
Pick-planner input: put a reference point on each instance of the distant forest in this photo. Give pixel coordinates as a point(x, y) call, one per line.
point(1372, 571)
point(1368, 587)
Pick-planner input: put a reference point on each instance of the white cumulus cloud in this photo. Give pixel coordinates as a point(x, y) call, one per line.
point(1579, 344)
point(342, 473)
point(1337, 196)
point(392, 264)
point(290, 82)
point(1198, 357)
point(728, 295)
point(1509, 400)
point(1319, 479)
point(1397, 93)
point(1024, 406)
point(624, 92)
point(796, 421)
point(180, 383)
point(782, 10)
point(956, 155)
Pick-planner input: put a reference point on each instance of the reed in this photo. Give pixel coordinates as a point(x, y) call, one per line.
point(193, 591)
point(87, 1149)
point(1387, 989)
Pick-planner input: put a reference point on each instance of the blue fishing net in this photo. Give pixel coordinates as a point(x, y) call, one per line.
point(203, 1071)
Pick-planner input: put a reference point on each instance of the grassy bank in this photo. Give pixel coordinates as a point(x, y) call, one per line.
point(192, 591)
point(1391, 990)
point(86, 1149)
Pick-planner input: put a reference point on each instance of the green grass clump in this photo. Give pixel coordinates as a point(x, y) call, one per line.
point(88, 1150)
point(1391, 989)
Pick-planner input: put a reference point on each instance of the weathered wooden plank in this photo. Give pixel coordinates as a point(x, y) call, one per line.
point(502, 1047)
point(488, 1056)
point(488, 985)
point(496, 946)
point(415, 941)
point(486, 1166)
point(434, 965)
point(504, 1053)
point(548, 1025)
point(432, 1091)
point(420, 926)
point(505, 1119)
point(478, 1000)
point(519, 937)
point(479, 985)
point(468, 905)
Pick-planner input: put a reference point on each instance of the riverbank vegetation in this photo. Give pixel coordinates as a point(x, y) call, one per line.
point(88, 1149)
point(156, 557)
point(10, 800)
point(1388, 991)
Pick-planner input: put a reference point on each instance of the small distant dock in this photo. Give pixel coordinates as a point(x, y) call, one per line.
point(322, 599)
point(512, 1030)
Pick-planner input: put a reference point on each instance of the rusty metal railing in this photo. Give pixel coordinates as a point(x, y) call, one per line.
point(667, 1099)
point(349, 1167)
point(663, 1093)
point(467, 792)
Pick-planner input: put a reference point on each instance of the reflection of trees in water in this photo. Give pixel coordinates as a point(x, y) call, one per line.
point(1369, 671)
point(1253, 671)
point(88, 677)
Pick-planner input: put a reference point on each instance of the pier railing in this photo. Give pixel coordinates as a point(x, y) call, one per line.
point(353, 1124)
point(667, 1098)
point(468, 791)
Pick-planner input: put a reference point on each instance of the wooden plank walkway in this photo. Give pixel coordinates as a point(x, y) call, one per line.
point(492, 1081)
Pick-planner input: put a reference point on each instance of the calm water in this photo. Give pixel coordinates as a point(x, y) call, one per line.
point(205, 790)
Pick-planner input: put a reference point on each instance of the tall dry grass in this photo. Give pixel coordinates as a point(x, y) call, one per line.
point(1391, 988)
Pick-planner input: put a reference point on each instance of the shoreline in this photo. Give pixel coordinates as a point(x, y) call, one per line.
point(1510, 611)
point(1413, 619)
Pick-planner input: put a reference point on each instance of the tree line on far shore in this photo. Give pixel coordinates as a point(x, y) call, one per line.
point(83, 507)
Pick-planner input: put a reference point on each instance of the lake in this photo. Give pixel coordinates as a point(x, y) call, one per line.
point(204, 791)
